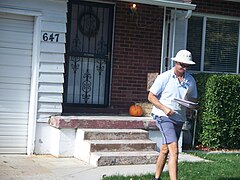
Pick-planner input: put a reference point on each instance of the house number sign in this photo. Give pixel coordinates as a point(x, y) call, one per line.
point(53, 37)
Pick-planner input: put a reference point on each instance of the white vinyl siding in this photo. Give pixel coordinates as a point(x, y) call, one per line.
point(41, 86)
point(51, 67)
point(15, 77)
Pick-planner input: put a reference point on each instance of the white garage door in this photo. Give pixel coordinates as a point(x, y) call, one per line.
point(16, 38)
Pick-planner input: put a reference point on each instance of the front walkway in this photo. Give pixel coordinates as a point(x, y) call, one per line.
point(50, 168)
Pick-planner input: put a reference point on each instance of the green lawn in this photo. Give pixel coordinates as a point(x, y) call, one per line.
point(223, 166)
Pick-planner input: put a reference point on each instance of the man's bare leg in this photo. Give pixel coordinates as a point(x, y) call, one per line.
point(173, 160)
point(161, 160)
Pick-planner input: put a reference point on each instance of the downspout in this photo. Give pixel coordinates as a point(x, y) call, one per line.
point(32, 118)
point(163, 54)
point(203, 43)
point(173, 39)
point(238, 55)
point(187, 16)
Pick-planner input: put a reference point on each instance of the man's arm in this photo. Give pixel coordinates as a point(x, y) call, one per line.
point(153, 99)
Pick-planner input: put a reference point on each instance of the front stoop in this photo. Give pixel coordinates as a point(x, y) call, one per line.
point(98, 137)
point(101, 147)
point(102, 122)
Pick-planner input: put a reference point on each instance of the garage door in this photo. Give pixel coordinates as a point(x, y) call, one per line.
point(16, 38)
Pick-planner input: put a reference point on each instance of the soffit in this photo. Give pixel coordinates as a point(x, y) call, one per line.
point(234, 0)
point(166, 3)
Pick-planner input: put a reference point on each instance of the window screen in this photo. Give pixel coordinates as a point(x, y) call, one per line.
point(221, 45)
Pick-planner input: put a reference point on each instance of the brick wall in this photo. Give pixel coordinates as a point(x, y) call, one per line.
point(137, 48)
point(219, 7)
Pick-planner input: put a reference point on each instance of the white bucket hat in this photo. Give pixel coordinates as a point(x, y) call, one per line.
point(183, 56)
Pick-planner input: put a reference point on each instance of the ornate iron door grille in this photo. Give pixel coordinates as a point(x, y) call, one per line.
point(88, 57)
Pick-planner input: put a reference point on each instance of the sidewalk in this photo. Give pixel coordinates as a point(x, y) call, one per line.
point(43, 167)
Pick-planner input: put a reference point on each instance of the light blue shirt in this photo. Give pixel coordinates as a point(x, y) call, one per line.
point(166, 87)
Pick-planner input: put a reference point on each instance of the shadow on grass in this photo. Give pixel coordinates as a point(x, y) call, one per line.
point(231, 178)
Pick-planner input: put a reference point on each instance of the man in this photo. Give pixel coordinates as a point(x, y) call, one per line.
point(168, 114)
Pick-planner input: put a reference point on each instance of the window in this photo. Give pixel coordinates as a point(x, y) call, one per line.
point(214, 44)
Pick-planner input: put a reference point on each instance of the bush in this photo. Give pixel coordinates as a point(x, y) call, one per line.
point(219, 110)
point(201, 79)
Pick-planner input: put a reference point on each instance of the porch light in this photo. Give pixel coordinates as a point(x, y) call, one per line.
point(133, 8)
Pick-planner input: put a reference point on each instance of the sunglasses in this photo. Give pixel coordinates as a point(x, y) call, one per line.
point(184, 65)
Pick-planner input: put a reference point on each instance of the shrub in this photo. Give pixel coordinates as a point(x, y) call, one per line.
point(201, 79)
point(219, 110)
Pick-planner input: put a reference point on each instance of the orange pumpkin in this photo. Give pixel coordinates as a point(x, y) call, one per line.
point(135, 110)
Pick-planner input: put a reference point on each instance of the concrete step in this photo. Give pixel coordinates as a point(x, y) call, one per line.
point(123, 158)
point(113, 134)
point(102, 147)
point(121, 145)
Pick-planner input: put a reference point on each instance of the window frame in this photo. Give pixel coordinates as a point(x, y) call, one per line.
point(223, 17)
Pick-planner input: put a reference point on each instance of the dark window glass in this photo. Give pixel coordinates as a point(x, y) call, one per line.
point(194, 40)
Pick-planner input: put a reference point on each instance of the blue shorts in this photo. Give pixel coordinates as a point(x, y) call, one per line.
point(169, 128)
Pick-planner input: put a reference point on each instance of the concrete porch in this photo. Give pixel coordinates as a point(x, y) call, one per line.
point(68, 138)
point(102, 121)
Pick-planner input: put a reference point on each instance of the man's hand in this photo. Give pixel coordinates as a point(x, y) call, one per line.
point(153, 99)
point(168, 111)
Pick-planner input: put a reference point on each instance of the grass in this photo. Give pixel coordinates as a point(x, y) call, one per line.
point(223, 166)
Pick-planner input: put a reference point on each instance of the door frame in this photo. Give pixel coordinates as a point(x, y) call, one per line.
point(69, 105)
point(32, 112)
point(170, 41)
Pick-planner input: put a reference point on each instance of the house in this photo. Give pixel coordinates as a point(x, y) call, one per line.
point(74, 57)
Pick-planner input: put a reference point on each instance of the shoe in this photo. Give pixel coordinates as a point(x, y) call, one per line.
point(156, 178)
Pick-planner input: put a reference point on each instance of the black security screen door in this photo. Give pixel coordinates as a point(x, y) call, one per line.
point(88, 56)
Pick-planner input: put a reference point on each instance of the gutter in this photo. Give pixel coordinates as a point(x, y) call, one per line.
point(165, 3)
